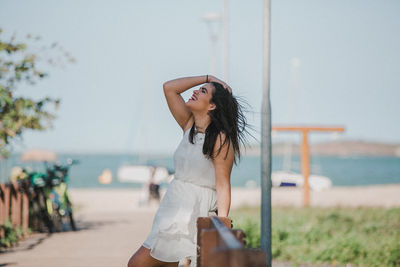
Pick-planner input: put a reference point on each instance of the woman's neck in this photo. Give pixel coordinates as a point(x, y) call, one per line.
point(201, 122)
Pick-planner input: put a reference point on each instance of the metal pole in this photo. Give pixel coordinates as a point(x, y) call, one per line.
point(214, 39)
point(225, 74)
point(266, 140)
point(211, 19)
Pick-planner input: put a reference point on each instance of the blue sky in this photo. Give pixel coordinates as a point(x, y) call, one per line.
point(112, 97)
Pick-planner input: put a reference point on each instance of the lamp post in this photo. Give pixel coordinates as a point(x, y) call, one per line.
point(225, 71)
point(266, 154)
point(212, 20)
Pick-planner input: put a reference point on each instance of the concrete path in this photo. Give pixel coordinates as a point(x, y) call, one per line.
point(111, 228)
point(103, 239)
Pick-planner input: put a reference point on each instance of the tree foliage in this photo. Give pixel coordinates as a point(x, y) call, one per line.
point(19, 113)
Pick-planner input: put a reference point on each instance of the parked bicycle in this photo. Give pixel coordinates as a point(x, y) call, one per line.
point(58, 202)
point(39, 217)
point(50, 205)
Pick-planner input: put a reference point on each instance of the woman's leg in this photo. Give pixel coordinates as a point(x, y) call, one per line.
point(142, 258)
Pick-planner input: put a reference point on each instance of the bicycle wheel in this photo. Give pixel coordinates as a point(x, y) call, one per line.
point(36, 221)
point(70, 212)
point(45, 216)
point(71, 219)
point(56, 219)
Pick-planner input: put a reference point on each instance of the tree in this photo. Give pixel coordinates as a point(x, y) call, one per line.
point(18, 113)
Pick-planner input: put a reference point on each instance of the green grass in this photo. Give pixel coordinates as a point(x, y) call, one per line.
point(359, 236)
point(12, 234)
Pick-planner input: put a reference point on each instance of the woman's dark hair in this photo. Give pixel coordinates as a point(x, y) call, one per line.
point(227, 118)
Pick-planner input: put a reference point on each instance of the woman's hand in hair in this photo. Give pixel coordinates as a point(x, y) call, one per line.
point(216, 80)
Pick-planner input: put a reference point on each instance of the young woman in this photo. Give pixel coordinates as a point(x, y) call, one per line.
point(213, 126)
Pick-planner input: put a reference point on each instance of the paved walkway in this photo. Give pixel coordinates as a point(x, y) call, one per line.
point(111, 228)
point(103, 239)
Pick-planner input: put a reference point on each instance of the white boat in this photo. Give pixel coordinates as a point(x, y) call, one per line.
point(288, 178)
point(143, 174)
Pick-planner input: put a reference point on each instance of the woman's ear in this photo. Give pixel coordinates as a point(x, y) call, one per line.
point(212, 106)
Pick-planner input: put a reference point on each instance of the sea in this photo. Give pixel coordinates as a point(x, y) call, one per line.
point(343, 171)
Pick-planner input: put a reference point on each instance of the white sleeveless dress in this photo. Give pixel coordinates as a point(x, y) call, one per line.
point(190, 194)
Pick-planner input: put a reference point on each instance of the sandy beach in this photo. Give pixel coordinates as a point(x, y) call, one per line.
point(127, 200)
point(112, 224)
point(352, 196)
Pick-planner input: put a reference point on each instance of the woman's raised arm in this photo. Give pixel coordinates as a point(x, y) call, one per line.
point(176, 104)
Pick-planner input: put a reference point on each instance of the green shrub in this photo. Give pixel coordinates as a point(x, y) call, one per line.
point(12, 234)
point(359, 236)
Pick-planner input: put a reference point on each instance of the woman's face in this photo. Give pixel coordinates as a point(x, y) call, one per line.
point(200, 100)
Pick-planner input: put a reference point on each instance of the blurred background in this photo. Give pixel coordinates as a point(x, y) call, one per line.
point(333, 64)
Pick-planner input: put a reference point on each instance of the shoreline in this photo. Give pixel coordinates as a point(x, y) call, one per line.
point(105, 188)
point(95, 200)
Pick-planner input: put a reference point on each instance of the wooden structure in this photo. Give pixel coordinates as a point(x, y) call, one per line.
point(219, 246)
point(305, 151)
point(14, 206)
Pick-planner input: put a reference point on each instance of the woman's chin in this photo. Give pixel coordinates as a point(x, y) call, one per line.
point(189, 104)
point(192, 106)
point(195, 107)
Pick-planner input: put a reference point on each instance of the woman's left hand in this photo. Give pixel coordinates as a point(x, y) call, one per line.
point(224, 84)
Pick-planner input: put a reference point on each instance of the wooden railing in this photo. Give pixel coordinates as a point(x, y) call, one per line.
point(14, 206)
point(219, 246)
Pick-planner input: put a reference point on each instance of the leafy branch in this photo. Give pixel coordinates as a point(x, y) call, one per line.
point(18, 113)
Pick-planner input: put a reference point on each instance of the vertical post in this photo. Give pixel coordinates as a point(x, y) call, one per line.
point(305, 153)
point(25, 212)
point(2, 204)
point(210, 19)
point(266, 140)
point(213, 62)
point(5, 202)
point(225, 45)
point(305, 167)
point(15, 205)
point(209, 241)
point(2, 207)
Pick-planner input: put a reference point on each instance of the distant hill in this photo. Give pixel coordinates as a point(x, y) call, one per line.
point(336, 148)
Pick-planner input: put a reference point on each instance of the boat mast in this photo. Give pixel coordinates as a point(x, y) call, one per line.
point(291, 109)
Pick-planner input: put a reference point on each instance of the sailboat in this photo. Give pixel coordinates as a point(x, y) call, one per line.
point(289, 178)
point(143, 171)
point(286, 177)
point(144, 174)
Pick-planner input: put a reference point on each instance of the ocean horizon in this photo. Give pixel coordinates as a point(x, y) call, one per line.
point(343, 171)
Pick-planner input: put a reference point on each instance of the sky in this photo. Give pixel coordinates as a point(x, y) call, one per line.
point(333, 63)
